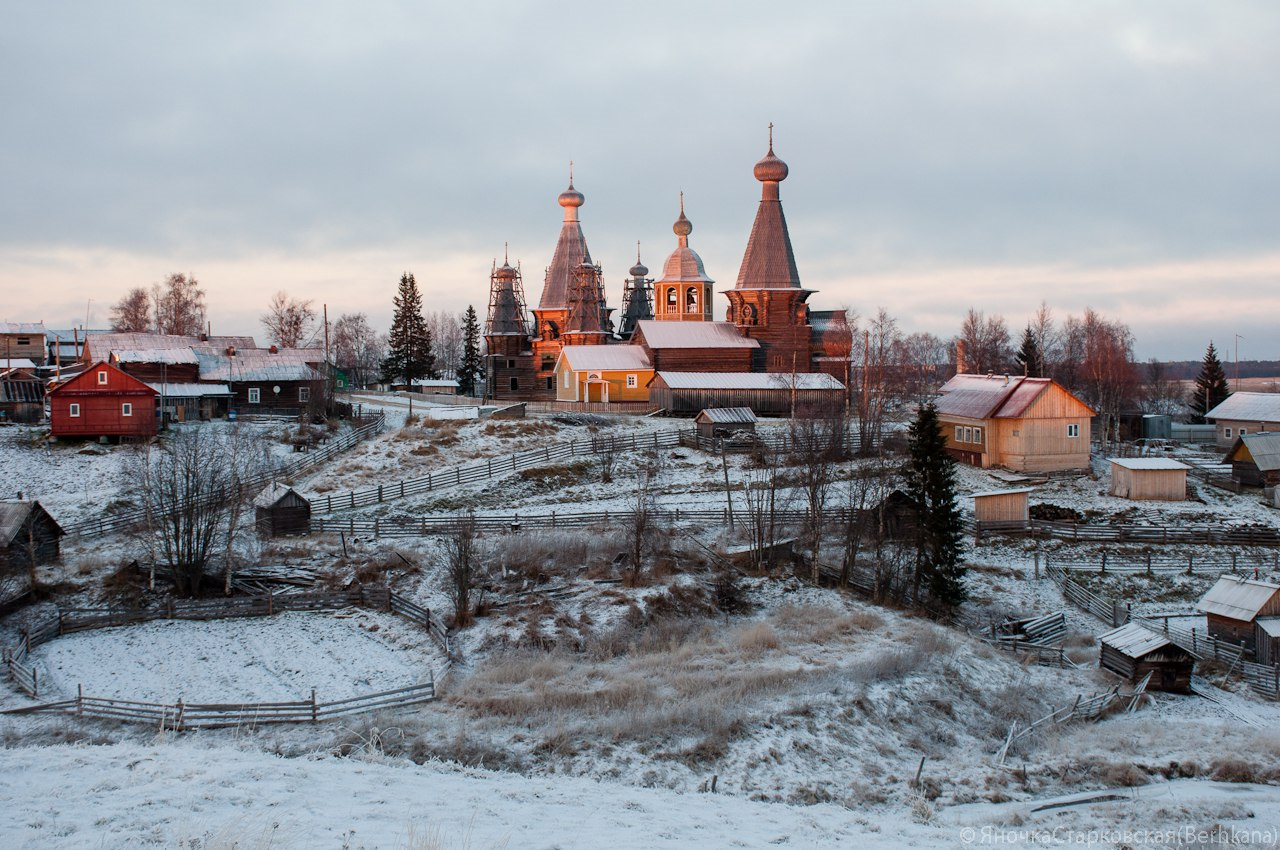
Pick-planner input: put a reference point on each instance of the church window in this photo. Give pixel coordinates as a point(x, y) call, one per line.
point(515, 383)
point(671, 296)
point(691, 300)
point(632, 382)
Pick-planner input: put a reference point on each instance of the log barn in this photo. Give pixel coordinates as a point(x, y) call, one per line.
point(26, 530)
point(23, 340)
point(715, 422)
point(1255, 459)
point(1133, 651)
point(1148, 479)
point(280, 511)
point(686, 393)
point(1234, 604)
point(103, 401)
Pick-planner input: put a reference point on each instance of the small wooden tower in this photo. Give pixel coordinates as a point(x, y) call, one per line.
point(684, 291)
point(280, 511)
point(637, 298)
point(509, 360)
point(588, 322)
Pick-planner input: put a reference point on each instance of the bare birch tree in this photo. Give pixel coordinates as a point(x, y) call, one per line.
point(132, 313)
point(462, 568)
point(178, 306)
point(288, 321)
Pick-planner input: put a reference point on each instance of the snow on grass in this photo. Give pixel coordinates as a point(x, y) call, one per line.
point(264, 659)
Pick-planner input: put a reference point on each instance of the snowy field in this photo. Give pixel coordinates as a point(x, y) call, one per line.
point(261, 659)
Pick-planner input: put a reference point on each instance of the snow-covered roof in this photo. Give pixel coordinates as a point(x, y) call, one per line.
point(435, 382)
point(1248, 407)
point(189, 390)
point(1134, 640)
point(167, 356)
point(1270, 626)
point(274, 492)
point(289, 364)
point(22, 328)
point(659, 334)
point(992, 396)
point(727, 415)
point(17, 363)
point(1147, 463)
point(749, 380)
point(1238, 598)
point(585, 358)
point(1012, 492)
point(1264, 448)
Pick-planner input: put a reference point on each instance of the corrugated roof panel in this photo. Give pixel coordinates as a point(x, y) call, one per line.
point(1237, 599)
point(1264, 448)
point(1134, 640)
point(189, 390)
point(585, 358)
point(749, 381)
point(1249, 407)
point(727, 415)
point(169, 356)
point(1023, 396)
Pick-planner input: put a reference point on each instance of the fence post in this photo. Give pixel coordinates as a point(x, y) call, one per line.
point(59, 621)
point(35, 685)
point(1194, 648)
point(1189, 557)
point(314, 713)
point(182, 710)
point(1148, 563)
point(79, 700)
point(1233, 562)
point(1103, 569)
point(270, 603)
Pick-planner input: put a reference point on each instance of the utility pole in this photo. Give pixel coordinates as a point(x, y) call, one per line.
point(1238, 338)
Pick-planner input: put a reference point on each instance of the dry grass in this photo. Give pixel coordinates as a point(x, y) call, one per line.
point(756, 639)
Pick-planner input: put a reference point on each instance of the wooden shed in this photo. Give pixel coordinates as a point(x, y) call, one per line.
point(1148, 478)
point(1266, 640)
point(715, 422)
point(280, 511)
point(765, 394)
point(26, 531)
point(1133, 651)
point(1255, 459)
point(21, 396)
point(1234, 604)
point(1002, 505)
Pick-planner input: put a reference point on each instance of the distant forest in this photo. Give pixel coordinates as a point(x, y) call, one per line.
point(1186, 370)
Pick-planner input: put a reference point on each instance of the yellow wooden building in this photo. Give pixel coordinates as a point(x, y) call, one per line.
point(602, 373)
point(1023, 424)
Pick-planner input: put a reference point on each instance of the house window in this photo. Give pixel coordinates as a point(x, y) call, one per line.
point(977, 435)
point(1073, 430)
point(1244, 431)
point(102, 377)
point(551, 382)
point(126, 409)
point(255, 395)
point(74, 411)
point(1228, 433)
point(1015, 432)
point(632, 382)
point(959, 434)
point(515, 383)
point(304, 394)
point(24, 340)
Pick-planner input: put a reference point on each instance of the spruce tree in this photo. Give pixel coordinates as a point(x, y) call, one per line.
point(1029, 356)
point(930, 480)
point(472, 366)
point(1211, 386)
point(409, 354)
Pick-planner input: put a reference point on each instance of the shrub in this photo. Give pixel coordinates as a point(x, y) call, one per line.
point(1233, 769)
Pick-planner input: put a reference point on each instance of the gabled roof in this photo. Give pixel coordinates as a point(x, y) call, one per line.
point(167, 356)
point(586, 358)
point(36, 328)
point(657, 334)
point(1011, 492)
point(90, 383)
point(1248, 407)
point(274, 492)
point(727, 415)
point(1237, 598)
point(994, 396)
point(188, 390)
point(749, 381)
point(1134, 640)
point(1263, 448)
point(13, 517)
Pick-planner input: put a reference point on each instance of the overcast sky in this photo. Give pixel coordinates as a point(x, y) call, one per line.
point(1124, 156)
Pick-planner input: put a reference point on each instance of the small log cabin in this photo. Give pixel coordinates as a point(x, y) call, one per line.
point(21, 396)
point(1245, 413)
point(27, 530)
point(1148, 479)
point(724, 421)
point(280, 511)
point(686, 393)
point(1132, 652)
point(1233, 605)
point(1002, 505)
point(603, 373)
point(1023, 424)
point(1255, 459)
point(1266, 640)
point(103, 401)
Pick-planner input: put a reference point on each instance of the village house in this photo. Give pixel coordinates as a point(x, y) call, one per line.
point(1233, 605)
point(1245, 413)
point(1255, 459)
point(603, 373)
point(103, 401)
point(1023, 424)
point(22, 340)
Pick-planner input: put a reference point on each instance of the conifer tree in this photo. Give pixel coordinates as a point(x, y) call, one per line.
point(472, 366)
point(1211, 386)
point(1029, 356)
point(409, 354)
point(930, 480)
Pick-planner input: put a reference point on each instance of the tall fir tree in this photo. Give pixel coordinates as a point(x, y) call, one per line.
point(930, 480)
point(409, 354)
point(472, 366)
point(1029, 356)
point(1211, 386)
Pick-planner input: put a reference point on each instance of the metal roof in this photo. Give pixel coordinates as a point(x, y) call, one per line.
point(749, 381)
point(1012, 492)
point(1269, 625)
point(22, 328)
point(274, 492)
point(435, 382)
point(968, 396)
point(1264, 448)
point(17, 363)
point(1134, 640)
point(660, 334)
point(289, 364)
point(1148, 463)
point(188, 390)
point(1248, 407)
point(169, 356)
point(727, 415)
point(1237, 598)
point(585, 358)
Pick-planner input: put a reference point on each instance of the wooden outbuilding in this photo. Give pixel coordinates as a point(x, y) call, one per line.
point(1266, 640)
point(103, 401)
point(1133, 651)
point(22, 340)
point(686, 393)
point(1255, 459)
point(1002, 505)
point(280, 511)
point(716, 422)
point(1233, 606)
point(21, 396)
point(1148, 478)
point(26, 531)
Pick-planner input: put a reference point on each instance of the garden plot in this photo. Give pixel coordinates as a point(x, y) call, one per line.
point(267, 659)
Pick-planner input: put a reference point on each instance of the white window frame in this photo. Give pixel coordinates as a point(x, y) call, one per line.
point(126, 408)
point(73, 410)
point(255, 395)
point(1073, 430)
point(304, 394)
point(1242, 432)
point(977, 435)
point(102, 377)
point(633, 381)
point(1227, 433)
point(959, 434)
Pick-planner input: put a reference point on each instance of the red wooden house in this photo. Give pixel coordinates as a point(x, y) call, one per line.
point(103, 401)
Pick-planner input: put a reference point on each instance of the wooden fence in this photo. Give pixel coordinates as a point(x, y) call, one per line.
point(1212, 535)
point(113, 523)
point(1092, 708)
point(1153, 563)
point(70, 620)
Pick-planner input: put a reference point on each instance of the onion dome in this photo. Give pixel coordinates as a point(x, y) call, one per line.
point(639, 269)
point(571, 197)
point(771, 169)
point(505, 272)
point(682, 227)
